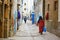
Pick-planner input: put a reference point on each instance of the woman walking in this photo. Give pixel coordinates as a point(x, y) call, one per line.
point(25, 19)
point(41, 25)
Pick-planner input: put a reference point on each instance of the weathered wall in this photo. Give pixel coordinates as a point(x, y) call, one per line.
point(14, 12)
point(53, 14)
point(58, 10)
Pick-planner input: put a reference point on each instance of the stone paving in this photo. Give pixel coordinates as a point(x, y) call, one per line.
point(30, 32)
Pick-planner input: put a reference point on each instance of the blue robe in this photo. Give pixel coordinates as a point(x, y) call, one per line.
point(32, 15)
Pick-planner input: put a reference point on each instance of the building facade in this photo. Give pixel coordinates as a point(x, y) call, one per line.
point(51, 7)
point(9, 18)
point(14, 12)
point(58, 10)
point(27, 7)
point(38, 8)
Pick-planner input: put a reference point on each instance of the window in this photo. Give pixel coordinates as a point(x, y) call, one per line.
point(24, 3)
point(10, 1)
point(24, 8)
point(48, 7)
point(34, 5)
point(18, 4)
point(55, 5)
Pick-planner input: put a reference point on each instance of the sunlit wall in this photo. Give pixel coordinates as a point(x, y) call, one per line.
point(59, 10)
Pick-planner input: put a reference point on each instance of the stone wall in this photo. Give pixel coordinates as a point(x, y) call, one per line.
point(52, 24)
point(53, 14)
point(58, 10)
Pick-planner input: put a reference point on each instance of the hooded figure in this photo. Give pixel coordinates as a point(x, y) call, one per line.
point(41, 24)
point(18, 15)
point(18, 19)
point(32, 17)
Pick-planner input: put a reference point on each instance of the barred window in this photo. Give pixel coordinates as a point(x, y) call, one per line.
point(55, 5)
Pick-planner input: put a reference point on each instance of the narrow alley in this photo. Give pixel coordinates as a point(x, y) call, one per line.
point(30, 32)
point(29, 19)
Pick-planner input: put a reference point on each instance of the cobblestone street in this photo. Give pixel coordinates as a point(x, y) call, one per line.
point(30, 32)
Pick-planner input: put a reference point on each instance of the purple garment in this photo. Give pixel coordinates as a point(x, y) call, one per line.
point(19, 15)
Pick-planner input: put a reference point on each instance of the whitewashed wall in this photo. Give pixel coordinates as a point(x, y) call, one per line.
point(41, 8)
point(29, 5)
